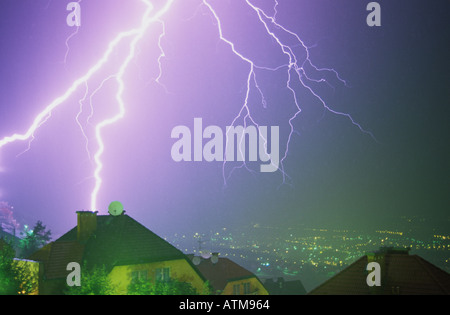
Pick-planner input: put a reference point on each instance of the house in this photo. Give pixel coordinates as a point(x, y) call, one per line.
point(400, 273)
point(124, 247)
point(227, 277)
point(283, 287)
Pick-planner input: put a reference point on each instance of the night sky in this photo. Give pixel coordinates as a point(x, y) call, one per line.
point(397, 89)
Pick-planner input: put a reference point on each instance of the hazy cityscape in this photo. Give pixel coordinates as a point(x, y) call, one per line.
point(314, 254)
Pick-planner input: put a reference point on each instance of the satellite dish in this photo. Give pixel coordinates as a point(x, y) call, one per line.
point(196, 260)
point(205, 254)
point(115, 208)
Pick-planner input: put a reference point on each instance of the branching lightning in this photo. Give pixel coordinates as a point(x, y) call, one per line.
point(295, 70)
point(294, 67)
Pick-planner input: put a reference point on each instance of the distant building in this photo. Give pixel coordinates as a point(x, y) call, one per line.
point(401, 274)
point(227, 277)
point(127, 249)
point(283, 287)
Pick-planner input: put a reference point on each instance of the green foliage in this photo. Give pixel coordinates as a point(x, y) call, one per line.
point(26, 278)
point(171, 287)
point(9, 284)
point(94, 281)
point(14, 279)
point(34, 239)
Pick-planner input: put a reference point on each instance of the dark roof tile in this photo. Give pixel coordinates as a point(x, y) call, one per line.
point(117, 240)
point(403, 274)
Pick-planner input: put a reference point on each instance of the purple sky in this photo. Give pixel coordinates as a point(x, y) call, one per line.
point(397, 78)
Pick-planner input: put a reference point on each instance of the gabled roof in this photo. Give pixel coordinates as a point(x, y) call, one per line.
point(117, 240)
point(403, 274)
point(220, 273)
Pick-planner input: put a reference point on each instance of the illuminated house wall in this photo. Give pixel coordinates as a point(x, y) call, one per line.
point(247, 286)
point(180, 269)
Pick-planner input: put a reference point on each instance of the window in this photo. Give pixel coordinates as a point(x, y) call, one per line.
point(247, 288)
point(236, 289)
point(162, 274)
point(139, 275)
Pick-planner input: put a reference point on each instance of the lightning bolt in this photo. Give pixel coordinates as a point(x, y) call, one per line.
point(136, 35)
point(294, 67)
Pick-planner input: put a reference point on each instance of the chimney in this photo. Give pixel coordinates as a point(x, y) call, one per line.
point(86, 225)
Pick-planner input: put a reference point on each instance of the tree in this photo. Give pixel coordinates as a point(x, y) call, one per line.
point(34, 239)
point(94, 281)
point(8, 282)
point(171, 287)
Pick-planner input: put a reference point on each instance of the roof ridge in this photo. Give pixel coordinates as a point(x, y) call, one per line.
point(123, 240)
point(339, 274)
